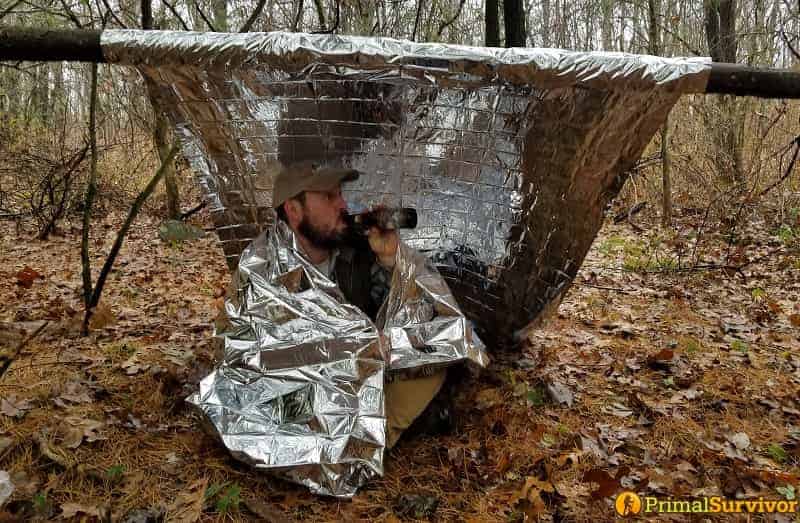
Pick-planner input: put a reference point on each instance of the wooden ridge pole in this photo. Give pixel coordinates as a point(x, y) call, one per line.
point(81, 45)
point(50, 45)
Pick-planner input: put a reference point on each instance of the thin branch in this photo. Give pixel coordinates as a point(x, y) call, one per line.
point(71, 15)
point(785, 40)
point(416, 21)
point(134, 211)
point(177, 15)
point(447, 23)
point(204, 17)
point(788, 170)
point(253, 17)
point(111, 12)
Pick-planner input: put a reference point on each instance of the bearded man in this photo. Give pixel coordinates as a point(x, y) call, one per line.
point(308, 198)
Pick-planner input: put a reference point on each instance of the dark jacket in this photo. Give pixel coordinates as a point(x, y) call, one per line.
point(362, 280)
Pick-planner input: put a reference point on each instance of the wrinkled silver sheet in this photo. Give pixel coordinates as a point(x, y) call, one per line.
point(299, 388)
point(510, 156)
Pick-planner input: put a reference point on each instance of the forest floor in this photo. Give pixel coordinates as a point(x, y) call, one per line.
point(653, 377)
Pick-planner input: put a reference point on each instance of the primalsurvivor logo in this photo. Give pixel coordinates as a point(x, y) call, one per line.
point(629, 504)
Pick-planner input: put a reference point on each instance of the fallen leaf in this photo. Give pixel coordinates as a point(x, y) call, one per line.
point(14, 408)
point(740, 440)
point(73, 392)
point(70, 510)
point(24, 485)
point(606, 485)
point(102, 316)
point(27, 276)
point(188, 504)
point(133, 365)
point(76, 429)
point(560, 393)
point(661, 359)
point(529, 498)
point(488, 398)
point(6, 487)
point(794, 319)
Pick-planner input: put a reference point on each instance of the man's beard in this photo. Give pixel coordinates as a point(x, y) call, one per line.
point(321, 239)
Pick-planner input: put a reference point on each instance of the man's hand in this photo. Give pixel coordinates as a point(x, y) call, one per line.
point(384, 244)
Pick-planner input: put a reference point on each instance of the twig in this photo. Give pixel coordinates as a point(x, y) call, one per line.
point(253, 17)
point(204, 17)
point(177, 15)
point(111, 12)
point(788, 170)
point(71, 15)
point(787, 42)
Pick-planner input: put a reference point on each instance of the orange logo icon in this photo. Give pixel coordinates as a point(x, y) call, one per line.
point(628, 503)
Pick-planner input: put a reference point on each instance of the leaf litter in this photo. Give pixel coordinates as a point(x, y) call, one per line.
point(686, 384)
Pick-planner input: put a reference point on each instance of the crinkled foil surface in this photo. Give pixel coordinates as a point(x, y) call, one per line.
point(510, 156)
point(299, 388)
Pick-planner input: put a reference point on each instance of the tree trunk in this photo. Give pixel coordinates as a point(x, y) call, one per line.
point(91, 190)
point(545, 26)
point(654, 47)
point(161, 131)
point(607, 25)
point(728, 125)
point(492, 19)
point(221, 15)
point(163, 145)
point(514, 21)
point(666, 181)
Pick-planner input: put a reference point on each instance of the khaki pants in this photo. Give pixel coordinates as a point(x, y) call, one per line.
point(406, 399)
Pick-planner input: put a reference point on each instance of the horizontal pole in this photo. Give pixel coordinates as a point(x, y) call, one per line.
point(35, 44)
point(741, 80)
point(82, 45)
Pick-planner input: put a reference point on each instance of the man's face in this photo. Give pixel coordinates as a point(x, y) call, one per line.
point(323, 218)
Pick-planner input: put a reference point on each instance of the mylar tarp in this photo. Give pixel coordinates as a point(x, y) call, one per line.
point(510, 156)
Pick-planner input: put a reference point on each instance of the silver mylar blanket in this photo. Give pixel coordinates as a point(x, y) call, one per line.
point(510, 157)
point(299, 388)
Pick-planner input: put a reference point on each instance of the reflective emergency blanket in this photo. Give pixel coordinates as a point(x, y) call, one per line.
point(510, 156)
point(299, 388)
